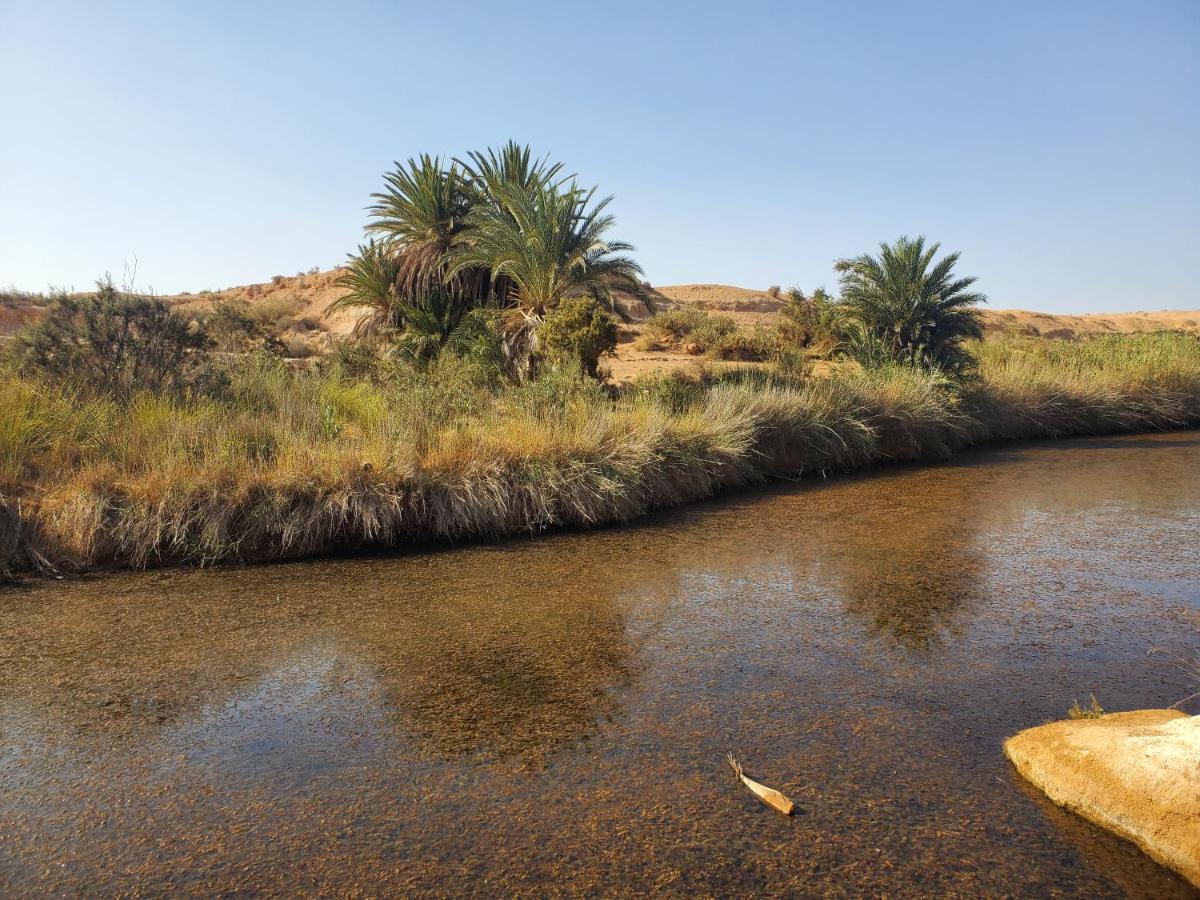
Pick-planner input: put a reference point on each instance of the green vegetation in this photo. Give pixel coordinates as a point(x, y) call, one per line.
point(901, 307)
point(113, 342)
point(1092, 711)
point(468, 402)
point(500, 230)
point(580, 331)
point(378, 451)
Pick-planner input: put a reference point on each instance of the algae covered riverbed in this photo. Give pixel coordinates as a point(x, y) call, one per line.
point(552, 716)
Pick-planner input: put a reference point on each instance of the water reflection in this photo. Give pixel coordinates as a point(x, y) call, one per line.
point(867, 641)
point(477, 664)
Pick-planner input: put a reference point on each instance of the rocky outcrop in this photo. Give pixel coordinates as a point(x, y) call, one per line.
point(1135, 773)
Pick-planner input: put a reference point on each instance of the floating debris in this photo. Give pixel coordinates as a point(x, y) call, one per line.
point(767, 795)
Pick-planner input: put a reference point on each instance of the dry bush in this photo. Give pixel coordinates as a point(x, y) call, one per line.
point(308, 323)
point(277, 311)
point(299, 347)
point(648, 341)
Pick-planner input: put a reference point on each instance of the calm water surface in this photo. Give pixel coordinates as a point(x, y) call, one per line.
point(552, 716)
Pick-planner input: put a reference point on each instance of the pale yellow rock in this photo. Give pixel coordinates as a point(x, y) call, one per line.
point(1134, 773)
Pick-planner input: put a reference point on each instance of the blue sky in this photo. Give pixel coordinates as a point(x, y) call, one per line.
point(1057, 145)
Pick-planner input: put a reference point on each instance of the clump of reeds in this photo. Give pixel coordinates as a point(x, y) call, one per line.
point(1092, 711)
point(1101, 386)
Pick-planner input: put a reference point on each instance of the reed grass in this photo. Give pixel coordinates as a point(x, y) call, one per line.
point(297, 464)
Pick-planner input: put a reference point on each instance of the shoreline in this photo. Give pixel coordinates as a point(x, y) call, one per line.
point(450, 544)
point(741, 438)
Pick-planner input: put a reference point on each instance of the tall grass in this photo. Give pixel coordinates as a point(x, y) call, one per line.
point(292, 464)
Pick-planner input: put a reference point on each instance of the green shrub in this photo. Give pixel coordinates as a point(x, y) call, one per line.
point(350, 359)
point(234, 330)
point(676, 392)
point(579, 332)
point(113, 343)
point(677, 323)
point(810, 323)
point(712, 331)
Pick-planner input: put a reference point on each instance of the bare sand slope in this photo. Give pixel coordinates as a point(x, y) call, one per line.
point(1135, 773)
point(1021, 321)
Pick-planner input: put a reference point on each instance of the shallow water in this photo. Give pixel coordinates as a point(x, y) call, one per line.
point(552, 716)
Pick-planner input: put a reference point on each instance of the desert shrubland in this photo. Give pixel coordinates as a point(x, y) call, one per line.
point(279, 463)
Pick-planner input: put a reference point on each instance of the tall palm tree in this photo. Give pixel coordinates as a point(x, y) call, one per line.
point(911, 307)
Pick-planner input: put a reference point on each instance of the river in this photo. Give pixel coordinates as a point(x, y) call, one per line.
point(551, 716)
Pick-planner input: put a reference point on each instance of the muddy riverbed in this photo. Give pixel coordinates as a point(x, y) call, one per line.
point(551, 716)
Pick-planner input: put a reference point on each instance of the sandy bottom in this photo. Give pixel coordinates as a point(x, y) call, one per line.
point(551, 716)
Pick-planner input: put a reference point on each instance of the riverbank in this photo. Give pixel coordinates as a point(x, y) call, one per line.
point(290, 464)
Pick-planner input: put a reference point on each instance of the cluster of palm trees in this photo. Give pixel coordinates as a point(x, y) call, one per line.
point(503, 236)
point(499, 231)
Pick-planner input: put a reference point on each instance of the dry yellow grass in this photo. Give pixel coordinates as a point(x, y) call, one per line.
point(300, 463)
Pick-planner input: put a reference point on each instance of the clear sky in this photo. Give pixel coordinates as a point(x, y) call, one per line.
point(1057, 145)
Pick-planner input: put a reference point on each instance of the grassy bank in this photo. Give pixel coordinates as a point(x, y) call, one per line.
point(290, 464)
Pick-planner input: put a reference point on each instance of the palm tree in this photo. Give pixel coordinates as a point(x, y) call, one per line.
point(422, 210)
point(403, 278)
point(370, 279)
point(547, 241)
point(913, 308)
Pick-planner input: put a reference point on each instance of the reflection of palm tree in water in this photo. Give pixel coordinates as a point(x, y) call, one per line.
point(901, 551)
point(461, 650)
point(910, 580)
point(909, 549)
point(522, 678)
